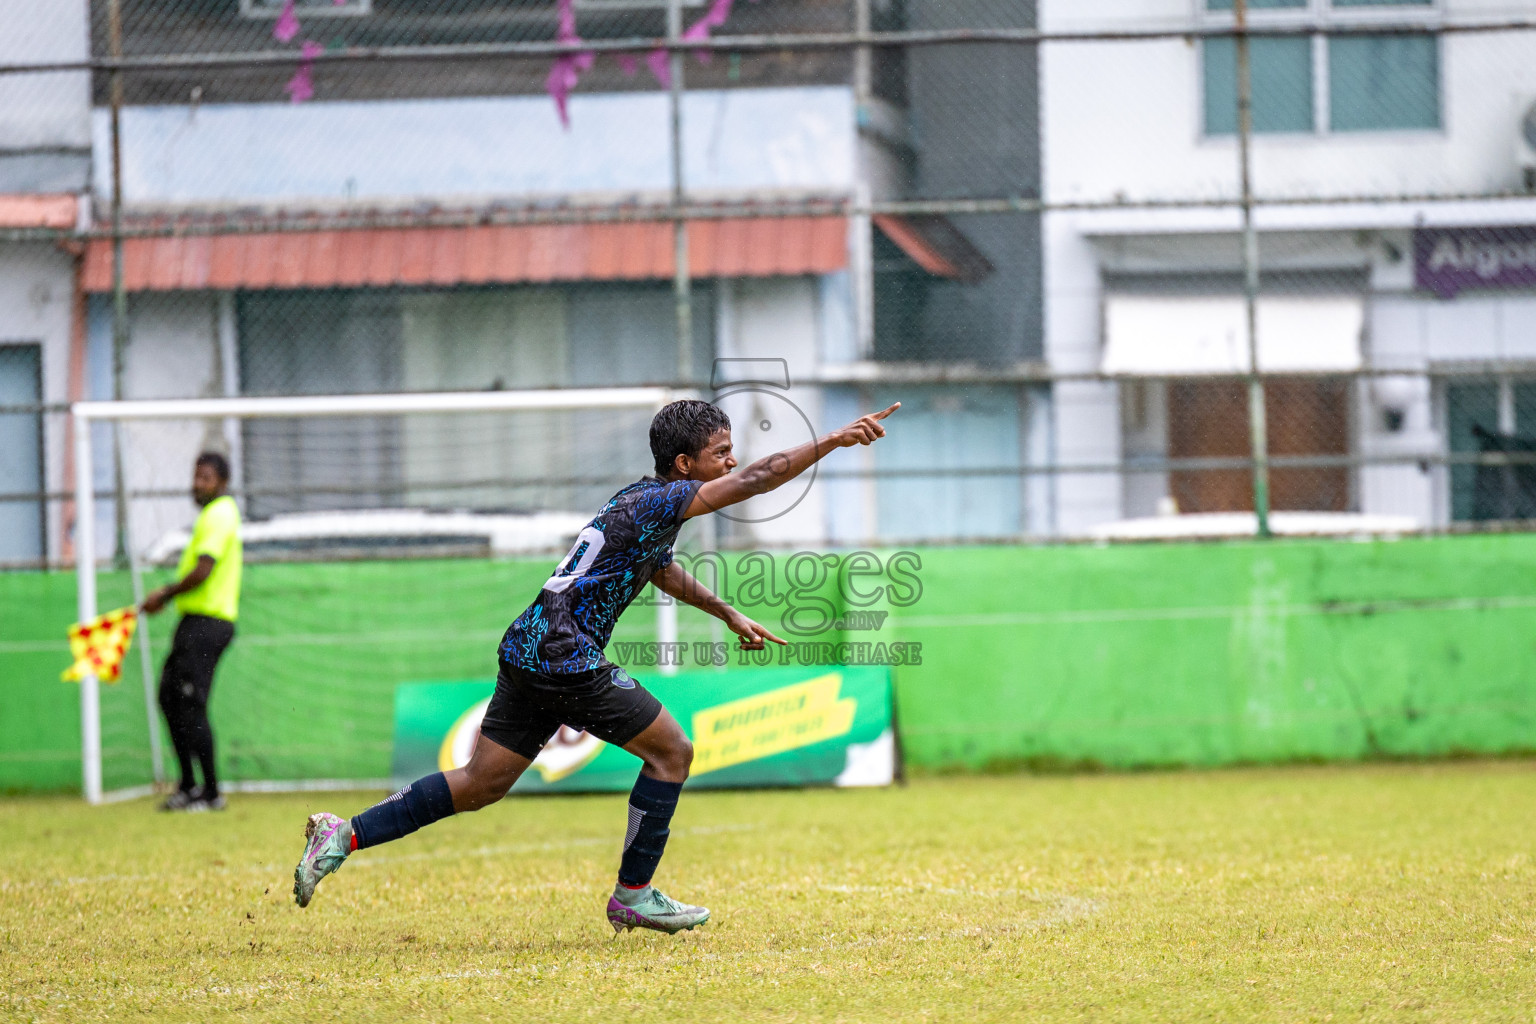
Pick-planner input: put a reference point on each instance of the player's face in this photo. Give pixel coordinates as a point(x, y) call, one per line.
point(206, 484)
point(716, 459)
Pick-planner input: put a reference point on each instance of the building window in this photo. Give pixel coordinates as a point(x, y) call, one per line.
point(1282, 85)
point(1383, 82)
point(1489, 416)
point(1316, 82)
point(305, 8)
point(1254, 5)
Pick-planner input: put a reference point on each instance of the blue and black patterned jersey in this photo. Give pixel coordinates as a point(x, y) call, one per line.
point(616, 554)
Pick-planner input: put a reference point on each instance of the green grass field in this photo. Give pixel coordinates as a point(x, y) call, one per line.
point(1360, 893)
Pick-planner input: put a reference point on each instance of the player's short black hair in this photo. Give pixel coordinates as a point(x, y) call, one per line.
point(684, 428)
point(218, 463)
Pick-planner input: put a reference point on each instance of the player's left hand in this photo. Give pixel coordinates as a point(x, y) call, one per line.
point(753, 636)
point(154, 601)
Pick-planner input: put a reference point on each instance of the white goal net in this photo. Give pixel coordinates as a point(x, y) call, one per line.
point(388, 539)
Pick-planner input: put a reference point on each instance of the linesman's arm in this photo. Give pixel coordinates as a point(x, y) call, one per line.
point(679, 583)
point(777, 470)
point(158, 598)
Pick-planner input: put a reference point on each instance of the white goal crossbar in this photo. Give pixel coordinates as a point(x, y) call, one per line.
point(293, 407)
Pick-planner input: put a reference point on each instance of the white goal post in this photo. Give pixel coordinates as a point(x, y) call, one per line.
point(84, 414)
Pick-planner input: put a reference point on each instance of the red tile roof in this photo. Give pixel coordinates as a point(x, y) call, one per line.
point(494, 254)
point(38, 211)
point(935, 244)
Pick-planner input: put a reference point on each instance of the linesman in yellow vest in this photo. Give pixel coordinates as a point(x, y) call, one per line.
point(208, 597)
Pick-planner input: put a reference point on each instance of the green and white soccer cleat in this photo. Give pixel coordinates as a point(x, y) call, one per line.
point(328, 841)
point(650, 908)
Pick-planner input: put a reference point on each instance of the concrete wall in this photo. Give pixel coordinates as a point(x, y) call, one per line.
point(1120, 656)
point(770, 320)
point(795, 139)
point(45, 130)
point(172, 352)
point(36, 300)
point(44, 147)
point(1086, 414)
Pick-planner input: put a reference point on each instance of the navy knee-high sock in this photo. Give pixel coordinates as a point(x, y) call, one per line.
point(651, 804)
point(420, 804)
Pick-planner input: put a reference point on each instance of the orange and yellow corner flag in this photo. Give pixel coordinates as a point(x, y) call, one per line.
point(98, 646)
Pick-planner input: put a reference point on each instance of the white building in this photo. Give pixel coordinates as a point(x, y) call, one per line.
point(267, 309)
point(424, 308)
point(1346, 285)
point(44, 172)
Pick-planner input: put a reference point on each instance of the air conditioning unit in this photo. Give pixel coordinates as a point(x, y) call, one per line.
point(1525, 148)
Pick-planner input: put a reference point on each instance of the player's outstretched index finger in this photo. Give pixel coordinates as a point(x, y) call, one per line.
point(882, 415)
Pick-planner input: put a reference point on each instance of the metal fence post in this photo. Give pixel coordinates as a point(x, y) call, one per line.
point(1257, 423)
point(682, 282)
point(119, 286)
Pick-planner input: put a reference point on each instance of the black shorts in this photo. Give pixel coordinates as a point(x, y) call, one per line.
point(528, 707)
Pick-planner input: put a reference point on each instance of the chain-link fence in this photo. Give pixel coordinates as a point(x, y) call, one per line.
point(1189, 269)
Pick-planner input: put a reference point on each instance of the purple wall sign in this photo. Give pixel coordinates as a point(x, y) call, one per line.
point(1447, 260)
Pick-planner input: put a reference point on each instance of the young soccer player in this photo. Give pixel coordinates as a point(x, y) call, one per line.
point(553, 673)
point(208, 597)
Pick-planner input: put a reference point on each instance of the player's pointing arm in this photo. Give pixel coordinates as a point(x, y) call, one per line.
point(776, 470)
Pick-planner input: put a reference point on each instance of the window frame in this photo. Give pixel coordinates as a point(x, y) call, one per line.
point(256, 10)
point(1318, 16)
point(1503, 381)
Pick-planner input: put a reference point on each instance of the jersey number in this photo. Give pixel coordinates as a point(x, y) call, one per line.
point(578, 560)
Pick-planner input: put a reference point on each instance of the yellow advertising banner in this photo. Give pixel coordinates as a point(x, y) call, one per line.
point(771, 723)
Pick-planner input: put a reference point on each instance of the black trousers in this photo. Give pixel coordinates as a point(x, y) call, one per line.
point(185, 684)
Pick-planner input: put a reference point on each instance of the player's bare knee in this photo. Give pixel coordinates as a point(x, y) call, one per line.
point(675, 761)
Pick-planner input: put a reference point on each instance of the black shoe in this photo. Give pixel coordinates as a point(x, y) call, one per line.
point(211, 803)
point(180, 800)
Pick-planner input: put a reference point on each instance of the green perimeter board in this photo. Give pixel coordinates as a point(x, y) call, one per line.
point(426, 712)
point(306, 690)
point(1122, 656)
point(1176, 654)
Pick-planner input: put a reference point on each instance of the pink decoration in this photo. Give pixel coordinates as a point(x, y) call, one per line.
point(566, 73)
point(718, 11)
point(661, 67)
point(287, 24)
point(301, 86)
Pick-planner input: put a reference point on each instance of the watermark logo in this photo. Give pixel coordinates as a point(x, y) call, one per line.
point(801, 653)
point(810, 593)
point(754, 393)
point(824, 604)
